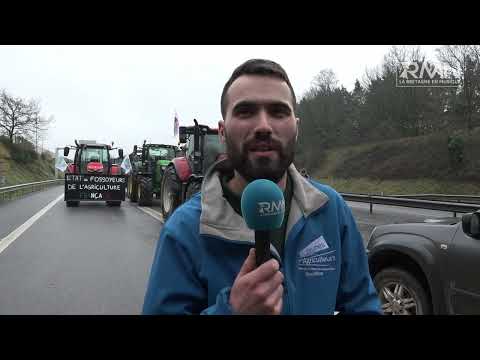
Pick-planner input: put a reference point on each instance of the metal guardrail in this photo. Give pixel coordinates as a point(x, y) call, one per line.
point(471, 199)
point(413, 203)
point(10, 192)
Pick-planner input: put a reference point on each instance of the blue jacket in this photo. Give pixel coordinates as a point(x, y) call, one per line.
point(205, 242)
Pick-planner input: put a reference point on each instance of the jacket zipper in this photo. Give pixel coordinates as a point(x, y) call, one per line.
point(288, 297)
point(274, 253)
point(288, 300)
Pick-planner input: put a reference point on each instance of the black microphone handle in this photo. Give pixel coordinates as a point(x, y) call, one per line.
point(262, 246)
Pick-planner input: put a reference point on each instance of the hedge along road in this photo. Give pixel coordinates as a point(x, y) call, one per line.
point(90, 259)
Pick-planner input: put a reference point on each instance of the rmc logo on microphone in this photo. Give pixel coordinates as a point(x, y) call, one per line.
point(271, 208)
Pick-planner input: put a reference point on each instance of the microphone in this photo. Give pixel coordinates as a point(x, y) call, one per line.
point(263, 208)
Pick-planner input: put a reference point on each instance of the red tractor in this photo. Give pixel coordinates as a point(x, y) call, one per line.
point(92, 160)
point(183, 176)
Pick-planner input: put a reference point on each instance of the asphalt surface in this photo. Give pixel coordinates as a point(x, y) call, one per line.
point(96, 259)
point(92, 259)
point(382, 215)
point(15, 213)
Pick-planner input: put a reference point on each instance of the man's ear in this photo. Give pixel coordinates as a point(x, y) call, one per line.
point(221, 131)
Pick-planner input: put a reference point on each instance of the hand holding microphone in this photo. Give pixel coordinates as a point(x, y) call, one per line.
point(258, 287)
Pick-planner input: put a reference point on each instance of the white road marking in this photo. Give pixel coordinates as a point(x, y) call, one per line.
point(153, 213)
point(10, 238)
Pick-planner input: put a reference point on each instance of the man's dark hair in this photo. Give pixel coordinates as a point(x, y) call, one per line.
point(259, 67)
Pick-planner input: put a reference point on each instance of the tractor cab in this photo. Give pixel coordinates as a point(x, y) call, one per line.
point(148, 165)
point(92, 158)
point(161, 152)
point(99, 176)
point(200, 148)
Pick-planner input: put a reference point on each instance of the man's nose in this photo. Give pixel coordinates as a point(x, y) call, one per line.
point(263, 124)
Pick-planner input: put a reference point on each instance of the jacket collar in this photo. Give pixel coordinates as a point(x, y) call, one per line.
point(219, 219)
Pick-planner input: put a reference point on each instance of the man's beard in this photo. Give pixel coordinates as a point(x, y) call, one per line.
point(260, 167)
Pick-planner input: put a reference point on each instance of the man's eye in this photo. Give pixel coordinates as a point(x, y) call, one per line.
point(280, 112)
point(245, 112)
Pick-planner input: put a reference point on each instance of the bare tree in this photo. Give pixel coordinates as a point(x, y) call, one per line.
point(17, 117)
point(463, 62)
point(455, 57)
point(36, 132)
point(397, 55)
point(325, 81)
point(370, 75)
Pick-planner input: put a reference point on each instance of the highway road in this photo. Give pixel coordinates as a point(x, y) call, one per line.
point(95, 259)
point(92, 259)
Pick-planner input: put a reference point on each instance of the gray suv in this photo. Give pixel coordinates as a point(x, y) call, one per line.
point(427, 268)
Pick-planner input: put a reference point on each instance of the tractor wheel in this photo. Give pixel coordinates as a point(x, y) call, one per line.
point(132, 189)
point(114, 203)
point(171, 192)
point(72, 203)
point(193, 188)
point(144, 191)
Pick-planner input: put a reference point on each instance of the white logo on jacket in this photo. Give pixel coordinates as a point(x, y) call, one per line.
point(314, 263)
point(316, 245)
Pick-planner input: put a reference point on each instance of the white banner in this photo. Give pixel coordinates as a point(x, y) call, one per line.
point(126, 164)
point(60, 163)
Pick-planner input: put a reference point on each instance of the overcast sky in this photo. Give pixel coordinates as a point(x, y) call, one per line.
point(127, 94)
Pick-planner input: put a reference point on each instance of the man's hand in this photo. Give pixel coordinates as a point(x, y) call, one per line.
point(257, 290)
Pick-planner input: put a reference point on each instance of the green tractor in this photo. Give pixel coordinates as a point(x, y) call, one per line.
point(148, 165)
